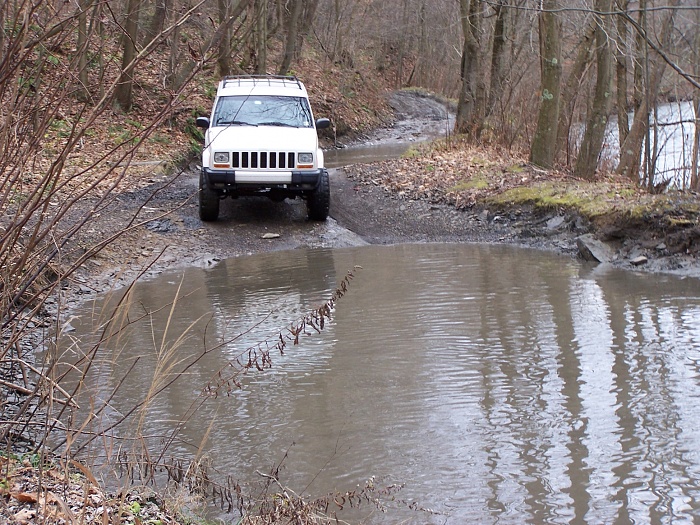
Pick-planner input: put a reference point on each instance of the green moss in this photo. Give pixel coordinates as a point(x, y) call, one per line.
point(476, 183)
point(412, 153)
point(552, 196)
point(515, 168)
point(623, 192)
point(60, 128)
point(160, 138)
point(134, 123)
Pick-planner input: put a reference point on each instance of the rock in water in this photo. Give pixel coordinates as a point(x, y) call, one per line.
point(591, 249)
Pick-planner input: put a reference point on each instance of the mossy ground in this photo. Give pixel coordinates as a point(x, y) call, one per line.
point(467, 177)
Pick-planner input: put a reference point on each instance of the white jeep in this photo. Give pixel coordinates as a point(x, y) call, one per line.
point(261, 140)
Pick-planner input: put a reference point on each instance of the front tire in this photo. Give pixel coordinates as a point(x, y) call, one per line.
point(208, 200)
point(318, 203)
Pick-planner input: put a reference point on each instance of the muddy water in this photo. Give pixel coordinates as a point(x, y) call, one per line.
point(336, 158)
point(499, 385)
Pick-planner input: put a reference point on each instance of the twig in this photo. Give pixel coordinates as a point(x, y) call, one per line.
point(29, 392)
point(51, 381)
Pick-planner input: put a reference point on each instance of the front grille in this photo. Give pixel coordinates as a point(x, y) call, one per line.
point(267, 160)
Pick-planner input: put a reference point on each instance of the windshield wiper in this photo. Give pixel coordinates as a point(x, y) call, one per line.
point(234, 123)
point(284, 124)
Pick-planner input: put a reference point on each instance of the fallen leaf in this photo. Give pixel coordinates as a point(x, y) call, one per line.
point(25, 516)
point(25, 497)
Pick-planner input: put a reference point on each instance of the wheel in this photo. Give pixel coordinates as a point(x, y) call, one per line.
point(208, 200)
point(318, 203)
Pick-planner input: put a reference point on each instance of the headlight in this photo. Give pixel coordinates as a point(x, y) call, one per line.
point(221, 157)
point(306, 158)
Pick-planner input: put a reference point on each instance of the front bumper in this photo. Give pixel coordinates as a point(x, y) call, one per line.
point(289, 180)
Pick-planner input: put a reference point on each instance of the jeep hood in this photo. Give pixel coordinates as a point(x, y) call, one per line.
point(262, 138)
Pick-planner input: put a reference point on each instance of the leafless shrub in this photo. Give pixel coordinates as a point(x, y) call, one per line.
point(50, 159)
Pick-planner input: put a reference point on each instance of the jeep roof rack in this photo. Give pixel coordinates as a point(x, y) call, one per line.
point(270, 80)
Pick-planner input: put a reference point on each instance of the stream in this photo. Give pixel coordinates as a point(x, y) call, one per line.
point(493, 384)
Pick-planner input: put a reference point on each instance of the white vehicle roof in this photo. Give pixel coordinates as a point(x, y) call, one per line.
point(261, 85)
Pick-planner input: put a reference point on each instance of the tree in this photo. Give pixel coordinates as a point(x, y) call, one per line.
point(543, 147)
point(572, 87)
point(161, 10)
point(223, 59)
point(498, 51)
point(631, 148)
point(260, 35)
point(467, 104)
point(124, 93)
point(695, 160)
point(82, 50)
point(290, 48)
point(587, 160)
point(623, 123)
point(183, 71)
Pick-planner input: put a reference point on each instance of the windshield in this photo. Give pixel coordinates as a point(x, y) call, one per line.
point(264, 110)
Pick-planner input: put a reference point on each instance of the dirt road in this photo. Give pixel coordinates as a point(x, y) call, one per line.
point(172, 234)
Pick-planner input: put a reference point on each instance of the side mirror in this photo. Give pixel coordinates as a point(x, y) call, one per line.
point(323, 123)
point(202, 122)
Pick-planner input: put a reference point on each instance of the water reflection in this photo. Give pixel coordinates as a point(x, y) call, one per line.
point(499, 384)
point(365, 154)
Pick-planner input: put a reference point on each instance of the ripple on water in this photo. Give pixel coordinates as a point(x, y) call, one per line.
point(499, 384)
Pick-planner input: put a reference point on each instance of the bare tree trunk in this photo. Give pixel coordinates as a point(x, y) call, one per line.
point(173, 58)
point(310, 7)
point(498, 55)
point(631, 149)
point(417, 76)
point(290, 48)
point(640, 46)
point(3, 16)
point(99, 28)
point(466, 106)
point(307, 19)
point(587, 161)
point(544, 144)
point(124, 92)
point(336, 30)
point(260, 8)
point(623, 121)
point(570, 91)
point(478, 7)
point(223, 51)
point(402, 44)
point(160, 16)
point(695, 163)
point(82, 50)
